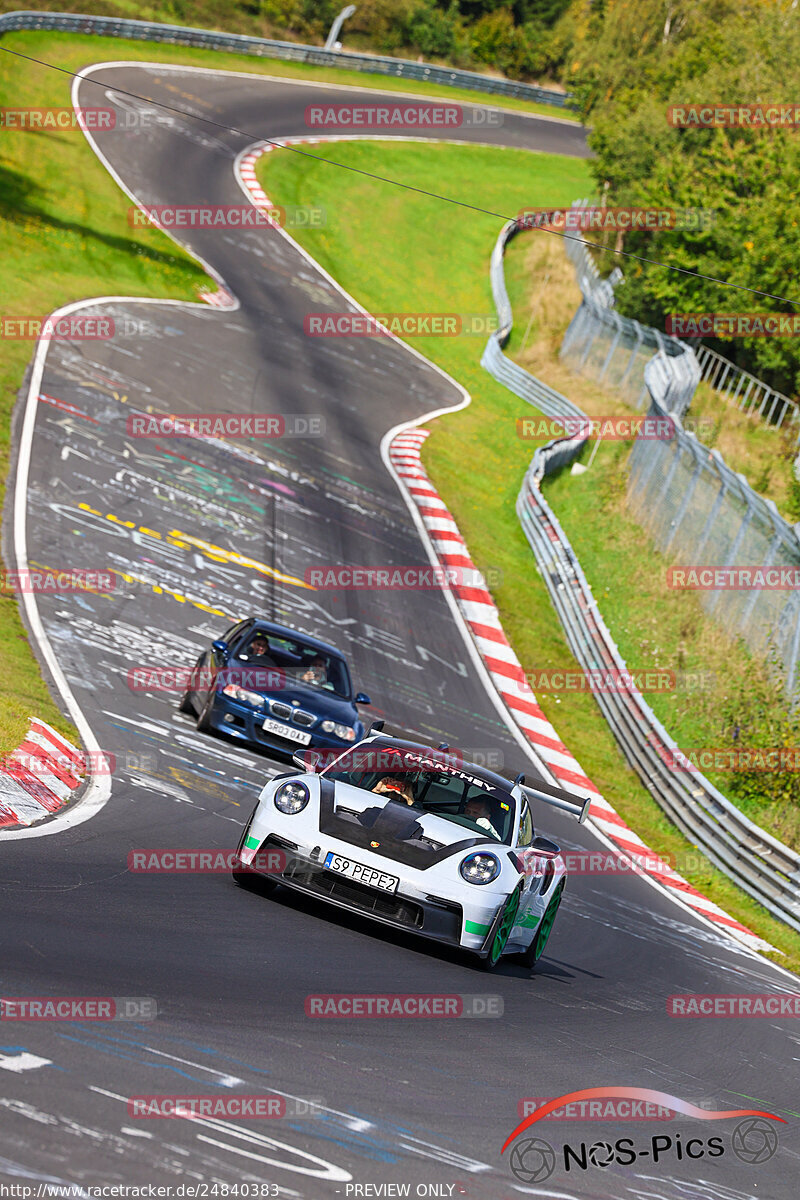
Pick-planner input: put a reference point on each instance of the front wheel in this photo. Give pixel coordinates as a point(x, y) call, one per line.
point(204, 719)
point(501, 929)
point(531, 956)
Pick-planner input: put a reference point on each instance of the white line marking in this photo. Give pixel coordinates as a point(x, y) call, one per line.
point(22, 1062)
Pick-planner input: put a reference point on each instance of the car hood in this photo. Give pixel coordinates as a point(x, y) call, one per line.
point(299, 695)
point(393, 830)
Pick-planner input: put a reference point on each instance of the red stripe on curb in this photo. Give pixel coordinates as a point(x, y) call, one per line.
point(34, 750)
point(33, 786)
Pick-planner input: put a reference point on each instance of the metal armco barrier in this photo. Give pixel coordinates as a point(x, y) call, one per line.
point(761, 865)
point(613, 349)
point(236, 43)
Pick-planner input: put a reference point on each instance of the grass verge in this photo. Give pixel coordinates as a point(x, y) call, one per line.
point(429, 263)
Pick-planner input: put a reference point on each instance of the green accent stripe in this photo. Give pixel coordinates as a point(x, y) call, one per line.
point(474, 927)
point(252, 843)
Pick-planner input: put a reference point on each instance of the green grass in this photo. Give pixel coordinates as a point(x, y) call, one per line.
point(431, 261)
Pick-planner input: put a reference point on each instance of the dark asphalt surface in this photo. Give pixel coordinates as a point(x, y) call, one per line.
point(427, 1103)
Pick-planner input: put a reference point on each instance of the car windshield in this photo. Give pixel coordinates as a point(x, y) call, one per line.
point(431, 783)
point(300, 662)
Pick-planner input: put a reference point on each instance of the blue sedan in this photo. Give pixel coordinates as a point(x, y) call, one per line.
point(276, 690)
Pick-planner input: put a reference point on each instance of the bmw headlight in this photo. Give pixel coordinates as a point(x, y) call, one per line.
point(345, 732)
point(480, 867)
point(291, 798)
point(242, 695)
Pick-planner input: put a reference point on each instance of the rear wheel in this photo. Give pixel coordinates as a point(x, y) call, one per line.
point(501, 929)
point(531, 956)
point(186, 706)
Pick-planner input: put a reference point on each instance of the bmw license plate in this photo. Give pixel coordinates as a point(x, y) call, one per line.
point(360, 873)
point(286, 731)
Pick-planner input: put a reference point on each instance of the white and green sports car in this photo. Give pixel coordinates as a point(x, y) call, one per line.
point(417, 839)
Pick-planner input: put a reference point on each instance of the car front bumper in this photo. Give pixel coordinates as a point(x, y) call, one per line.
point(441, 918)
point(244, 724)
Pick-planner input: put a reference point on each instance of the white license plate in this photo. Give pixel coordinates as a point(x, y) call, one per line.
point(286, 731)
point(360, 873)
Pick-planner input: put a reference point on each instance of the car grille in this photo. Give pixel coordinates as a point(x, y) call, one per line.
point(356, 895)
point(286, 713)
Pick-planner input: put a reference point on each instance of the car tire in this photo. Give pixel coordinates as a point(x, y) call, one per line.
point(531, 956)
point(186, 705)
point(501, 929)
point(204, 717)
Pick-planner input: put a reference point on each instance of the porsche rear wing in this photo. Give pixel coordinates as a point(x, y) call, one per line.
point(558, 798)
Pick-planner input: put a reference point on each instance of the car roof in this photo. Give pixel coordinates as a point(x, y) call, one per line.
point(297, 635)
point(482, 773)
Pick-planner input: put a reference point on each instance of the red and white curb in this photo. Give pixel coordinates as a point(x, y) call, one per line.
point(222, 298)
point(39, 777)
point(481, 616)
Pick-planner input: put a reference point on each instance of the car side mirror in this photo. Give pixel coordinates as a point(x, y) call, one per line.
point(544, 845)
point(220, 647)
point(363, 698)
point(307, 760)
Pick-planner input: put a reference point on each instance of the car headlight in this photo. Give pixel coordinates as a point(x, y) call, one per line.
point(345, 732)
point(291, 798)
point(242, 695)
point(480, 867)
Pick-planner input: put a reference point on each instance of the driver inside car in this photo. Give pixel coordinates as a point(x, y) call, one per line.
point(478, 810)
point(258, 648)
point(396, 787)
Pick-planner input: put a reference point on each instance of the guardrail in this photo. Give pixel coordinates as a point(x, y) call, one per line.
point(749, 394)
point(615, 349)
point(237, 43)
point(761, 865)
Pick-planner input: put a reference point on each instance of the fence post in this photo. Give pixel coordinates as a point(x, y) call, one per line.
point(687, 495)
